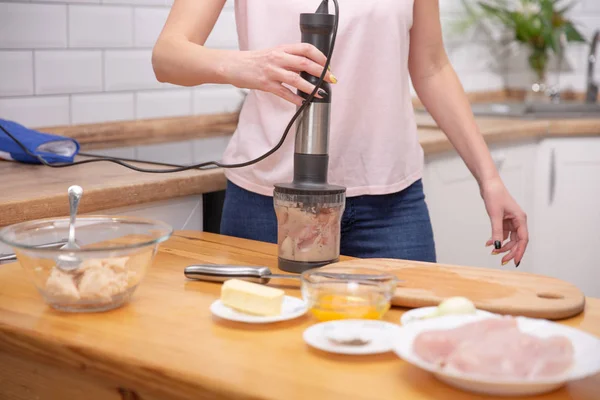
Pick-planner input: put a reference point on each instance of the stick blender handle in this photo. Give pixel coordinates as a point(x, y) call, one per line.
point(316, 29)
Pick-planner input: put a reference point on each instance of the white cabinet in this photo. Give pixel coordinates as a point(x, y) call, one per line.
point(566, 239)
point(460, 223)
point(183, 213)
point(556, 182)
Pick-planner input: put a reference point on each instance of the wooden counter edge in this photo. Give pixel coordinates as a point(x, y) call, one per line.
point(147, 131)
point(114, 197)
point(574, 127)
point(96, 370)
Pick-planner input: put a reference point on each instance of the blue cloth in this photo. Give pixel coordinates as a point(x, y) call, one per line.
point(52, 148)
point(387, 226)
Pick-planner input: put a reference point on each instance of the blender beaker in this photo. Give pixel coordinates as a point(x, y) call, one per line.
point(308, 229)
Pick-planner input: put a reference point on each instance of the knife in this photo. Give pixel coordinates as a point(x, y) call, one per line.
point(221, 273)
point(6, 258)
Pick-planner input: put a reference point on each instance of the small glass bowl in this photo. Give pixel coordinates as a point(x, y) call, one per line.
point(333, 293)
point(114, 254)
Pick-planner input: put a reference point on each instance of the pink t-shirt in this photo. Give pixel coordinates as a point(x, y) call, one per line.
point(373, 148)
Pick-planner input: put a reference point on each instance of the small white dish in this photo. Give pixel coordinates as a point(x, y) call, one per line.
point(291, 308)
point(379, 336)
point(586, 356)
point(418, 314)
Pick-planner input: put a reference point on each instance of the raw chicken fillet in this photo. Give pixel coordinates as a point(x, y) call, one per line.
point(309, 234)
point(495, 348)
point(96, 280)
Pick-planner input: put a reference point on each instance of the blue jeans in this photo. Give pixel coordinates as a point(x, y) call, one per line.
point(384, 226)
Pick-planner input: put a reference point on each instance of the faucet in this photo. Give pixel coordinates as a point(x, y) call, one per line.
point(591, 95)
point(553, 92)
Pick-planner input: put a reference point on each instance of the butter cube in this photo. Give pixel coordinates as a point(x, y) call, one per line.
point(252, 298)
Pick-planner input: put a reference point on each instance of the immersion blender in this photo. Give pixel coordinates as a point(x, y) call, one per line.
point(309, 209)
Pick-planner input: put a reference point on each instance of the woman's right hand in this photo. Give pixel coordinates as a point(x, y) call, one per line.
point(268, 70)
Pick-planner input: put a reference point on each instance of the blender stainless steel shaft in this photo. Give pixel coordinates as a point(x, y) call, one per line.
point(311, 158)
point(309, 208)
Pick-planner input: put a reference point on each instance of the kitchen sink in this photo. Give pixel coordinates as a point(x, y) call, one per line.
point(540, 110)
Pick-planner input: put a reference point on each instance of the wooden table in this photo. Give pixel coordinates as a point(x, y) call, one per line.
point(166, 345)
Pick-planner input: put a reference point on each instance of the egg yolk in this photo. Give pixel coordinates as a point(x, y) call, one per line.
point(330, 307)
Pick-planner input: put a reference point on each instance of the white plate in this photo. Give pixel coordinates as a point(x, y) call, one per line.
point(586, 363)
point(416, 314)
point(291, 308)
point(381, 334)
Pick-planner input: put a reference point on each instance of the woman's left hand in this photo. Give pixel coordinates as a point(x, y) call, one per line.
point(508, 222)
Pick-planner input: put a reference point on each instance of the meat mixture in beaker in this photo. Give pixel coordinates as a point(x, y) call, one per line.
point(309, 234)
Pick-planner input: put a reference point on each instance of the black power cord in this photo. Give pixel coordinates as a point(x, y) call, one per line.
point(204, 165)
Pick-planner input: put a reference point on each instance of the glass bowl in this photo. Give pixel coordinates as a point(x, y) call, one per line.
point(333, 293)
point(114, 254)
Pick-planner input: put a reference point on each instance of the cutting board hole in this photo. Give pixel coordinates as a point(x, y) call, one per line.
point(550, 296)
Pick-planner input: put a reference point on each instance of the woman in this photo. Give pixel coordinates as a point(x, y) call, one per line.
point(374, 148)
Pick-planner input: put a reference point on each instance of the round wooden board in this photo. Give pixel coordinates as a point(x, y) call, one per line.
point(498, 291)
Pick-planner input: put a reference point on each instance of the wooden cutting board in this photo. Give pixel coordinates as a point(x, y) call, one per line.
point(499, 291)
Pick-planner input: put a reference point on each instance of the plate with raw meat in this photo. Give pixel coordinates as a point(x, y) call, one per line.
point(498, 355)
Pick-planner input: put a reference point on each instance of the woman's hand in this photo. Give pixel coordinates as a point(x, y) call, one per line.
point(180, 57)
point(268, 70)
point(508, 222)
point(430, 70)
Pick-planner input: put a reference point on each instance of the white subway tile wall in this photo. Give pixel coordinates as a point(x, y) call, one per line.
point(102, 107)
point(212, 99)
point(148, 23)
point(63, 71)
point(164, 103)
point(224, 33)
point(36, 111)
point(33, 26)
point(87, 61)
point(95, 26)
point(163, 3)
point(16, 73)
point(129, 70)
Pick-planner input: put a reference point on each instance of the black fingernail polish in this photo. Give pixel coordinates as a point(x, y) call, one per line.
point(517, 264)
point(497, 245)
point(322, 92)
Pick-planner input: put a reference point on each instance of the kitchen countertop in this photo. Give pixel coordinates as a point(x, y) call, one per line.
point(38, 192)
point(108, 135)
point(166, 345)
point(498, 130)
point(41, 192)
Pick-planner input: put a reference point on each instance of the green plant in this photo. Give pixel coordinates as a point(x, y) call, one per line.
point(538, 24)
